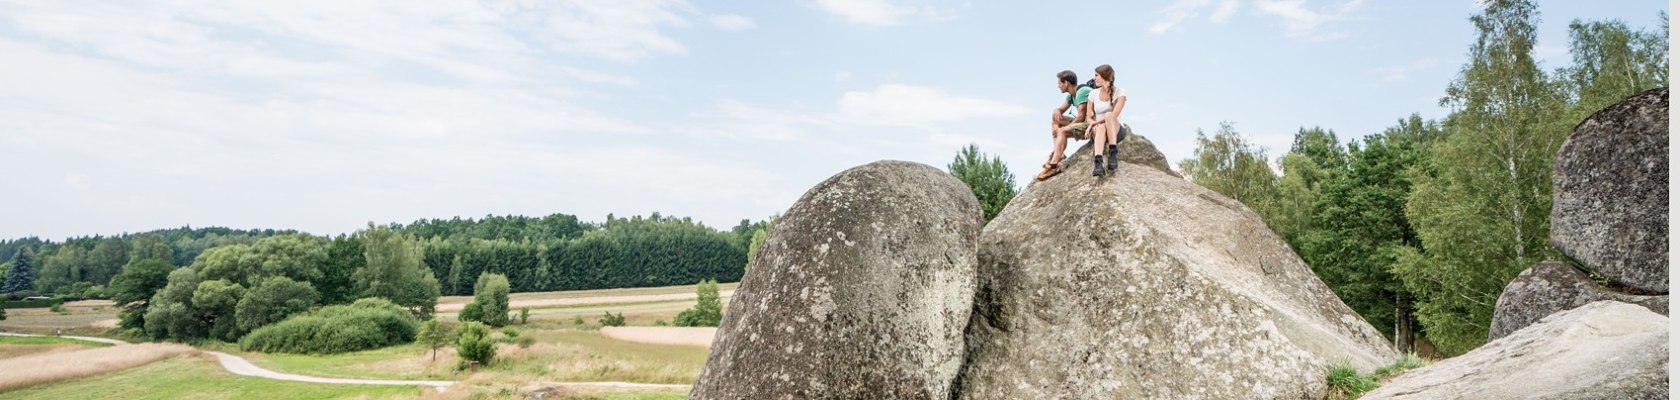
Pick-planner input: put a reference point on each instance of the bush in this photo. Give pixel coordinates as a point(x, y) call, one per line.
point(577, 320)
point(57, 308)
point(707, 311)
point(475, 344)
point(366, 324)
point(660, 322)
point(510, 333)
point(612, 320)
point(524, 315)
point(472, 312)
point(525, 341)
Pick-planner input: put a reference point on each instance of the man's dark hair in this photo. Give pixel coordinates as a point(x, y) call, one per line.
point(1068, 77)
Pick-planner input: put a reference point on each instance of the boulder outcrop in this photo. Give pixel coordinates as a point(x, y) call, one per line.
point(1143, 285)
point(1603, 350)
point(861, 292)
point(1551, 287)
point(1610, 193)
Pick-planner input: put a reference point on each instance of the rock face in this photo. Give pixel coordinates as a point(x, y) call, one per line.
point(1135, 149)
point(861, 292)
point(1610, 193)
point(1603, 350)
point(1143, 285)
point(1551, 287)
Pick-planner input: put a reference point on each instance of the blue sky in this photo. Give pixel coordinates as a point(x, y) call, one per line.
point(325, 115)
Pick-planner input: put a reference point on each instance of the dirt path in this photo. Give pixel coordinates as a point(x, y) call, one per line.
point(240, 366)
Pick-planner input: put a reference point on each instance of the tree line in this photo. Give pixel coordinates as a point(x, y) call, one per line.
point(1420, 227)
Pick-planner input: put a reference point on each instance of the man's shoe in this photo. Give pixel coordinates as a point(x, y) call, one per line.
point(1113, 157)
point(1050, 170)
point(1098, 160)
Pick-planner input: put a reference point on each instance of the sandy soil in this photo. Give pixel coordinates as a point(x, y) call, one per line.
point(662, 335)
point(515, 303)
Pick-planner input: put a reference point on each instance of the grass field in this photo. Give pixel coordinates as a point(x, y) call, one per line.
point(193, 377)
point(564, 351)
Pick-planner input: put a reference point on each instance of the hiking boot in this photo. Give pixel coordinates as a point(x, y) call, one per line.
point(1113, 157)
point(1098, 160)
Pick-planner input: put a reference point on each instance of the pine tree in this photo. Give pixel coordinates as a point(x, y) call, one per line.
point(21, 277)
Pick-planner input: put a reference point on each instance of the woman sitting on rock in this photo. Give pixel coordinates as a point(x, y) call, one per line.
point(1105, 128)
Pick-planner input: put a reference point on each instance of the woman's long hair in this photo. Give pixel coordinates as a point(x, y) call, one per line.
point(1107, 73)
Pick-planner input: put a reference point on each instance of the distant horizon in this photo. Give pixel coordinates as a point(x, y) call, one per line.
point(126, 117)
point(581, 220)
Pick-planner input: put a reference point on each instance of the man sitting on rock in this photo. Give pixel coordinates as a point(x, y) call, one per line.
point(1064, 126)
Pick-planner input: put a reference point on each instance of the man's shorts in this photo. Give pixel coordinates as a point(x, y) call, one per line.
point(1076, 131)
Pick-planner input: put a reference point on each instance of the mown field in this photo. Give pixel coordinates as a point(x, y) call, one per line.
point(563, 351)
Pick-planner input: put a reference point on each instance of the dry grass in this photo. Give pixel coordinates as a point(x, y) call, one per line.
point(20, 350)
point(52, 367)
point(456, 302)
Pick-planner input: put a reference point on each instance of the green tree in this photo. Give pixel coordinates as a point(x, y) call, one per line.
point(394, 271)
point(1227, 163)
point(273, 300)
point(1362, 226)
point(474, 344)
point(21, 276)
point(491, 296)
point(151, 247)
point(708, 309)
point(105, 261)
point(1612, 62)
point(1481, 202)
point(989, 178)
point(1315, 158)
point(344, 256)
point(61, 269)
point(132, 289)
point(216, 301)
point(434, 334)
point(171, 314)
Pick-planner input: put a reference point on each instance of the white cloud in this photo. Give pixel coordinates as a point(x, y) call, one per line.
point(322, 118)
point(1226, 9)
point(879, 13)
point(1403, 72)
point(732, 22)
point(915, 106)
point(1176, 13)
point(1299, 22)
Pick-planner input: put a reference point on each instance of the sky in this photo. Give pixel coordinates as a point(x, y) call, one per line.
point(324, 116)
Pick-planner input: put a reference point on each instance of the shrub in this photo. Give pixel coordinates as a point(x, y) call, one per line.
point(57, 308)
point(612, 320)
point(577, 320)
point(524, 315)
point(526, 341)
point(475, 344)
point(366, 324)
point(660, 322)
point(491, 296)
point(510, 333)
point(707, 311)
point(472, 312)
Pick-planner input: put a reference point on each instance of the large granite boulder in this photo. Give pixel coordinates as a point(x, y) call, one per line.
point(861, 292)
point(1551, 287)
point(1134, 149)
point(1603, 350)
point(1143, 285)
point(1610, 193)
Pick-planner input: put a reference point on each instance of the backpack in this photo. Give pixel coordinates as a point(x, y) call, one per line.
point(1090, 83)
